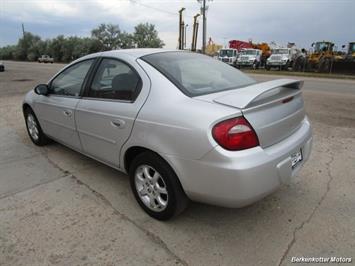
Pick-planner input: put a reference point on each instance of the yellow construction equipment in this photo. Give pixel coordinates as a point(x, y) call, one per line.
point(323, 57)
point(212, 48)
point(350, 55)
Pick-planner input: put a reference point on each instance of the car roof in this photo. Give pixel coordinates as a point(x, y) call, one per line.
point(133, 53)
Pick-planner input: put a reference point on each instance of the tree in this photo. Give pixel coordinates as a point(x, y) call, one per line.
point(65, 49)
point(126, 40)
point(146, 36)
point(56, 48)
point(108, 35)
point(8, 52)
point(28, 47)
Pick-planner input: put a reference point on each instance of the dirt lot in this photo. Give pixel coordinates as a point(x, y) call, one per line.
point(59, 207)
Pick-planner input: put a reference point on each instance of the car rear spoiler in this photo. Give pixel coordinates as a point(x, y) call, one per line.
point(243, 97)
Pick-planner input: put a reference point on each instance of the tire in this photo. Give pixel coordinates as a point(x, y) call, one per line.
point(32, 125)
point(268, 68)
point(166, 187)
point(254, 65)
point(285, 67)
point(324, 65)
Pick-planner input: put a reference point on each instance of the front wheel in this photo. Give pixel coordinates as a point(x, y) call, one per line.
point(156, 187)
point(34, 129)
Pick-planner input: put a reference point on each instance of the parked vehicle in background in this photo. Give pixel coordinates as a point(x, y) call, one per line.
point(264, 47)
point(228, 56)
point(249, 58)
point(2, 67)
point(282, 58)
point(350, 54)
point(345, 63)
point(45, 59)
point(219, 137)
point(240, 45)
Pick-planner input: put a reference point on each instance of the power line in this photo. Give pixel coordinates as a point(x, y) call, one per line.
point(155, 8)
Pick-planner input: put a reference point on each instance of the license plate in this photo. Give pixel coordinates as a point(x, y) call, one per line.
point(296, 158)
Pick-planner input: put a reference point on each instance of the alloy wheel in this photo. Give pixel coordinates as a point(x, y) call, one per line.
point(151, 188)
point(32, 127)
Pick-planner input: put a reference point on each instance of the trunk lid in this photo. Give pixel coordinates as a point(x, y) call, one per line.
point(275, 109)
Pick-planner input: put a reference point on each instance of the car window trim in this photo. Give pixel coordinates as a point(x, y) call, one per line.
point(84, 81)
point(85, 94)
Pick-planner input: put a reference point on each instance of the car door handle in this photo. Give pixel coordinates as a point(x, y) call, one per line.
point(67, 112)
point(118, 123)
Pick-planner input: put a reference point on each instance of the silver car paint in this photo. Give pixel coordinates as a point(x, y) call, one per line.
point(113, 120)
point(178, 128)
point(56, 116)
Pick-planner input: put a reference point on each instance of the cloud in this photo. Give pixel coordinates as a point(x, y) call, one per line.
point(303, 21)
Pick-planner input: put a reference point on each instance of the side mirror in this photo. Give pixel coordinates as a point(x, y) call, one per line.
point(41, 89)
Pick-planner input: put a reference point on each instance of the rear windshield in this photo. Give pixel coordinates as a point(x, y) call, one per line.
point(195, 74)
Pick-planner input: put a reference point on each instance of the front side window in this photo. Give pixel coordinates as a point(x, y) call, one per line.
point(115, 80)
point(195, 74)
point(70, 81)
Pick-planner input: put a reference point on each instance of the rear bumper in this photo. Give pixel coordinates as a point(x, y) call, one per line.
point(237, 179)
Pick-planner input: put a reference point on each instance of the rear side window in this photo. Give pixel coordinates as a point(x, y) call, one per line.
point(115, 79)
point(196, 74)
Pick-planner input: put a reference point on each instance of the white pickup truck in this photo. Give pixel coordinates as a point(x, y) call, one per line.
point(228, 55)
point(249, 58)
point(45, 59)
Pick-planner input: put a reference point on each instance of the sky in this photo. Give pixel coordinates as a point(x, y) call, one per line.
point(281, 21)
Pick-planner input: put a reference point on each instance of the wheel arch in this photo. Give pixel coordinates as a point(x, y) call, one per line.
point(133, 151)
point(26, 106)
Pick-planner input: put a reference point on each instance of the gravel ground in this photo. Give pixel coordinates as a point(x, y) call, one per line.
point(58, 207)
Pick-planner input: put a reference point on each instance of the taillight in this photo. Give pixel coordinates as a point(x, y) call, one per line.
point(235, 134)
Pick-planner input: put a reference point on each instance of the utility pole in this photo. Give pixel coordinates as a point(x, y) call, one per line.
point(23, 30)
point(185, 36)
point(204, 24)
point(204, 27)
point(181, 30)
point(194, 33)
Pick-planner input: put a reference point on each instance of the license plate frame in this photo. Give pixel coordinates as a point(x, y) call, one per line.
point(296, 158)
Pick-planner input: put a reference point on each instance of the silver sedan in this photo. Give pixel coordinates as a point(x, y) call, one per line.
point(182, 125)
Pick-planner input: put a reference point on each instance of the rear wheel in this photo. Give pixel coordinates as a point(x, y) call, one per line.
point(156, 187)
point(34, 129)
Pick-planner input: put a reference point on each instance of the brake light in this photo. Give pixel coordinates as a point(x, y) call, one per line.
point(235, 134)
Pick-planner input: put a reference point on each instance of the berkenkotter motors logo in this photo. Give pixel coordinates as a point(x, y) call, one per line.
point(321, 260)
